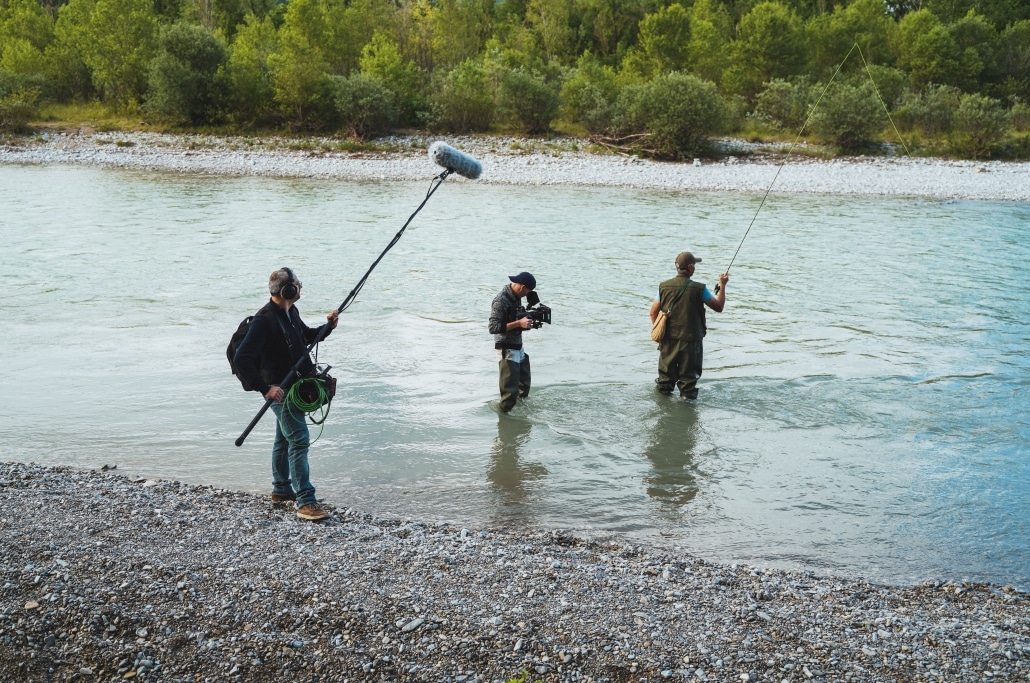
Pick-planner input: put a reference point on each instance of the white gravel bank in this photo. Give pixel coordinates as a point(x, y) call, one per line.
point(525, 162)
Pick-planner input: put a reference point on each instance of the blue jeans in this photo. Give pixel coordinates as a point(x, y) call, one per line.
point(290, 455)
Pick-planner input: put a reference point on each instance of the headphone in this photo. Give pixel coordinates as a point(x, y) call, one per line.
point(289, 290)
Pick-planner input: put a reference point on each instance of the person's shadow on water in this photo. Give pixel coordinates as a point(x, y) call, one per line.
point(670, 448)
point(507, 472)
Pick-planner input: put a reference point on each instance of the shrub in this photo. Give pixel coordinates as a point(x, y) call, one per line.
point(892, 84)
point(849, 116)
point(364, 105)
point(676, 113)
point(589, 93)
point(981, 123)
point(528, 101)
point(381, 59)
point(463, 100)
point(1019, 116)
point(19, 100)
point(185, 86)
point(785, 105)
point(931, 111)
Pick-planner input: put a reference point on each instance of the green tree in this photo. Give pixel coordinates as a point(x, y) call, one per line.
point(382, 59)
point(931, 110)
point(891, 83)
point(1014, 59)
point(365, 106)
point(351, 26)
point(711, 30)
point(301, 85)
point(830, 37)
point(786, 105)
point(849, 116)
point(981, 123)
point(551, 20)
point(999, 13)
point(26, 30)
point(463, 99)
point(665, 37)
point(528, 101)
point(225, 17)
point(460, 29)
point(928, 51)
point(249, 74)
point(769, 45)
point(980, 49)
point(185, 83)
point(607, 28)
point(118, 44)
point(19, 100)
point(589, 94)
point(68, 77)
point(678, 113)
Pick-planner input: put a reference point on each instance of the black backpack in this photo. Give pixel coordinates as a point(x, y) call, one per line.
point(234, 343)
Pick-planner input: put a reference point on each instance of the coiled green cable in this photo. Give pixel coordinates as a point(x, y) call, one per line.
point(294, 401)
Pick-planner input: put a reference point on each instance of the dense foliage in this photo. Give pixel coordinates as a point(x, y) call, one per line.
point(661, 77)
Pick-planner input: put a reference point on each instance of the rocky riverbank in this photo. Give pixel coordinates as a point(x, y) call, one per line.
point(745, 167)
point(107, 578)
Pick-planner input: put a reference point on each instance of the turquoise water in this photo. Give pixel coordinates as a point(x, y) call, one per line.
point(863, 408)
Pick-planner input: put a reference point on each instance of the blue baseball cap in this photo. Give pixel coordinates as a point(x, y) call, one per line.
point(524, 278)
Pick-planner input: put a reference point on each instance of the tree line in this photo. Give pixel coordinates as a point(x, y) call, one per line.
point(647, 75)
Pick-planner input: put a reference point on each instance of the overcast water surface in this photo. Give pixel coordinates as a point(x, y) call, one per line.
point(863, 410)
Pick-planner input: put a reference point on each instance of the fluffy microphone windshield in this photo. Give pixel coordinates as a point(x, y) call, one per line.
point(457, 162)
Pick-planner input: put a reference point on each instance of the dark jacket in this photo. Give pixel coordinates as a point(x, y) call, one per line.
point(687, 317)
point(266, 355)
point(503, 310)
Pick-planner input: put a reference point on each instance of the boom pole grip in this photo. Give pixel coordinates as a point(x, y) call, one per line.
point(253, 423)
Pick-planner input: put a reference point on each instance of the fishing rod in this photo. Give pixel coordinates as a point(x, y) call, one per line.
point(798, 137)
point(453, 161)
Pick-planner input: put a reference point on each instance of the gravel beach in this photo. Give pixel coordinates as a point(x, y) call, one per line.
point(110, 578)
point(750, 167)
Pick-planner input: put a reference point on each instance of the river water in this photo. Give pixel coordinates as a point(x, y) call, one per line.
point(863, 410)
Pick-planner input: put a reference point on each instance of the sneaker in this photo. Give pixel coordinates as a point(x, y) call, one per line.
point(312, 512)
point(279, 498)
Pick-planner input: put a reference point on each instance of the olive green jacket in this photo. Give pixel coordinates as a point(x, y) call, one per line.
point(687, 318)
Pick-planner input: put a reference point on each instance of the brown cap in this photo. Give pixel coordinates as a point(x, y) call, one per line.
point(684, 259)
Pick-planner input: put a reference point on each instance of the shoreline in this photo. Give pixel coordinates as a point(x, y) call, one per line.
point(751, 168)
point(107, 578)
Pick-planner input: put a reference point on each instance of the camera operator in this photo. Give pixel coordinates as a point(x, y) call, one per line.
point(507, 320)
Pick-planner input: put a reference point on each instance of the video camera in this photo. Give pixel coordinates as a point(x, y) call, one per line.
point(537, 313)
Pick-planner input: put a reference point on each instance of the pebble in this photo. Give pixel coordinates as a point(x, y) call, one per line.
point(234, 588)
point(521, 161)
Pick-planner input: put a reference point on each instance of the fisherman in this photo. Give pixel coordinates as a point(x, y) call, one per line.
point(506, 325)
point(681, 349)
point(276, 340)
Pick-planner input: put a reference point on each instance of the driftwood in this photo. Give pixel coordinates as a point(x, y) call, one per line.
point(628, 145)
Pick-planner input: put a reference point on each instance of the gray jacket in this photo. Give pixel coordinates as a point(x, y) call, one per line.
point(503, 310)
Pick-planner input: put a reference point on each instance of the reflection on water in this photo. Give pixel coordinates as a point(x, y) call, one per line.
point(510, 475)
point(671, 448)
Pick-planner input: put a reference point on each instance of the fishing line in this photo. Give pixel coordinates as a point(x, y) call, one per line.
point(798, 137)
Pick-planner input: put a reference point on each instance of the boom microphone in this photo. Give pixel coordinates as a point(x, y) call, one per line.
point(448, 157)
point(454, 161)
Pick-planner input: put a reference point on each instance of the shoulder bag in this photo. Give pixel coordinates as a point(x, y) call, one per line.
point(660, 320)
